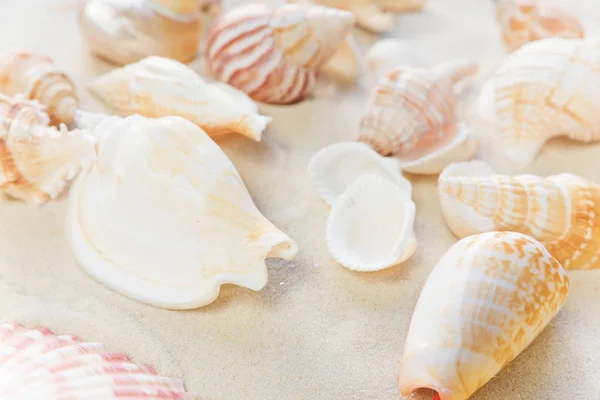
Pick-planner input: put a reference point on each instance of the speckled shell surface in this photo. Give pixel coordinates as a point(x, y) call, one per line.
point(484, 302)
point(274, 56)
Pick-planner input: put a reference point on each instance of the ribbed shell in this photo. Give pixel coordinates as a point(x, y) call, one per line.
point(274, 56)
point(484, 302)
point(413, 110)
point(36, 161)
point(36, 77)
point(562, 211)
point(523, 21)
point(548, 88)
point(36, 364)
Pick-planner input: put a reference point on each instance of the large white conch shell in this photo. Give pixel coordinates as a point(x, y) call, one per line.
point(274, 56)
point(36, 364)
point(484, 302)
point(545, 89)
point(561, 211)
point(160, 87)
point(164, 217)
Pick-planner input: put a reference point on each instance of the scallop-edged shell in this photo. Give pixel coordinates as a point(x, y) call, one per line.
point(484, 302)
point(36, 160)
point(371, 225)
point(523, 21)
point(123, 32)
point(161, 87)
point(36, 364)
point(162, 186)
point(274, 55)
point(336, 167)
point(36, 77)
point(545, 89)
point(412, 117)
point(561, 211)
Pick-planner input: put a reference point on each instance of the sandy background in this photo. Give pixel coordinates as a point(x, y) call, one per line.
point(317, 331)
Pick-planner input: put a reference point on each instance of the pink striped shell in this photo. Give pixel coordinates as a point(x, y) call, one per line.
point(36, 364)
point(274, 56)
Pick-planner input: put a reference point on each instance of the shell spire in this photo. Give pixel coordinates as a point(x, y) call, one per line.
point(484, 302)
point(457, 70)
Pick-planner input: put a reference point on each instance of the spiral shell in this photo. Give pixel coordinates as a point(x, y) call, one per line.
point(36, 160)
point(36, 77)
point(525, 21)
point(274, 56)
point(484, 302)
point(561, 211)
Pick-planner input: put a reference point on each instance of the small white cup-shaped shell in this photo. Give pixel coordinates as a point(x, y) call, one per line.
point(370, 226)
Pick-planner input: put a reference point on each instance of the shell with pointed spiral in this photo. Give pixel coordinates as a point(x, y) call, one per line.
point(36, 364)
point(484, 302)
point(561, 211)
point(36, 77)
point(36, 160)
point(274, 56)
point(523, 21)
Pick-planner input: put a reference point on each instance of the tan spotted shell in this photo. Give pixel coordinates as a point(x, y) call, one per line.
point(523, 21)
point(561, 211)
point(484, 302)
point(36, 77)
point(274, 56)
point(36, 160)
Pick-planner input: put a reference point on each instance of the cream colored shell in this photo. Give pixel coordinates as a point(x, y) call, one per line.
point(160, 87)
point(36, 160)
point(162, 186)
point(484, 302)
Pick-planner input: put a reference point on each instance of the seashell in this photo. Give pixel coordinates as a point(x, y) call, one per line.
point(411, 116)
point(125, 31)
point(36, 77)
point(37, 364)
point(274, 56)
point(161, 87)
point(524, 21)
point(36, 160)
point(387, 54)
point(336, 167)
point(162, 186)
point(370, 226)
point(561, 211)
point(545, 89)
point(484, 302)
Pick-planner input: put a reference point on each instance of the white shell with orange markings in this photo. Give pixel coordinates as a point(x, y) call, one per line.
point(484, 302)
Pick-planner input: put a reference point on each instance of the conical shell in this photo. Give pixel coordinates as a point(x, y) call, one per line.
point(484, 302)
point(561, 211)
point(160, 87)
point(545, 89)
point(336, 167)
point(36, 77)
point(123, 32)
point(36, 364)
point(370, 226)
point(412, 116)
point(36, 160)
point(167, 190)
point(523, 21)
point(274, 56)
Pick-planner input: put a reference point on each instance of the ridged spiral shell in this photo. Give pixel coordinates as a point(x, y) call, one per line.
point(274, 56)
point(36, 77)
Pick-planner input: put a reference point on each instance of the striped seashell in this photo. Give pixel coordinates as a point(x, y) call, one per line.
point(412, 116)
point(524, 21)
point(36, 77)
point(36, 160)
point(36, 364)
point(484, 302)
point(545, 89)
point(561, 211)
point(274, 56)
